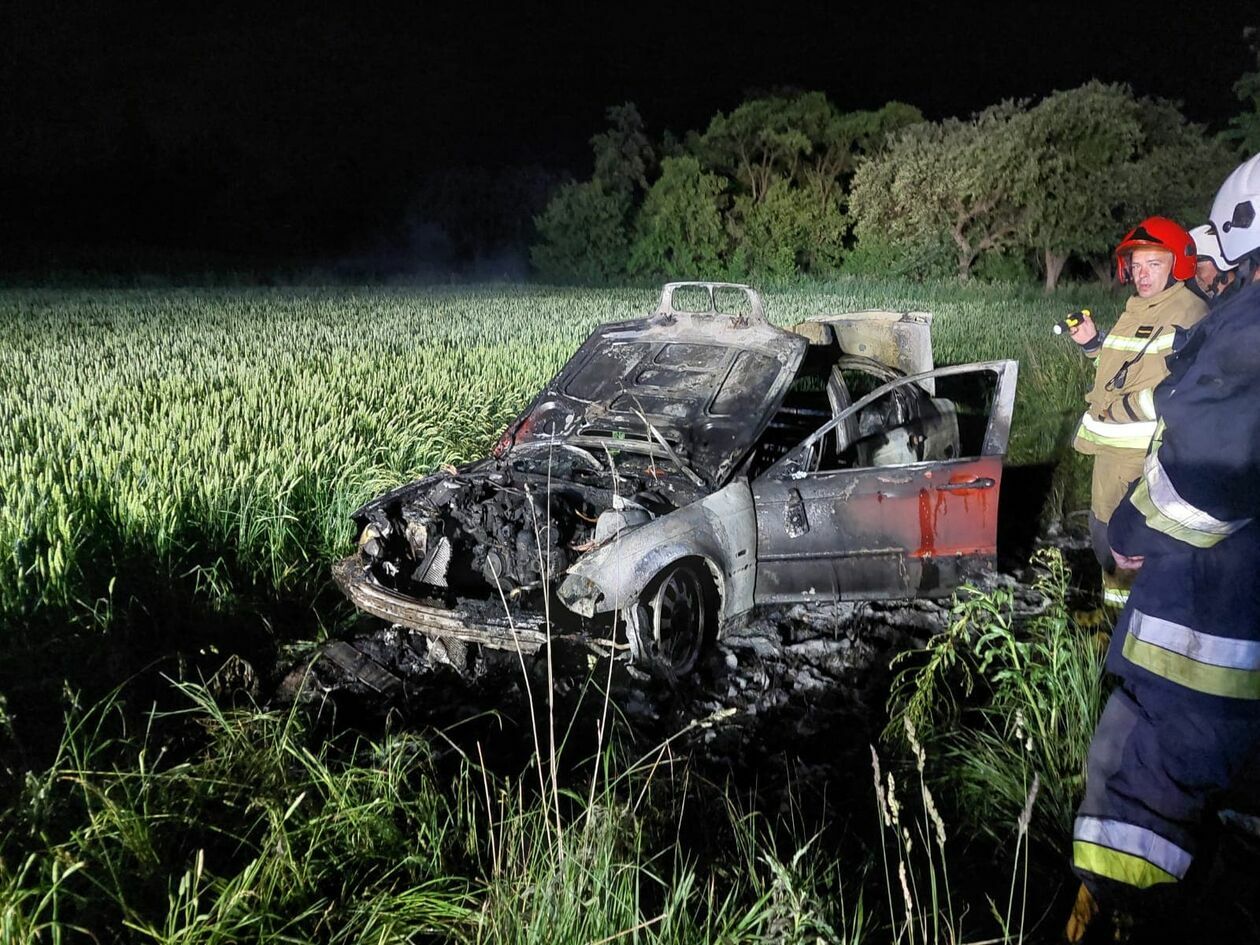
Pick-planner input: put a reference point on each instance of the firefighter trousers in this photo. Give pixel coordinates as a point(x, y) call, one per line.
point(1157, 774)
point(1114, 471)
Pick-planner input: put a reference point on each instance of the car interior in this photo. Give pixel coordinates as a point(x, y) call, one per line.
point(905, 425)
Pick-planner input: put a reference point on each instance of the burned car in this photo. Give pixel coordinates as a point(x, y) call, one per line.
point(685, 468)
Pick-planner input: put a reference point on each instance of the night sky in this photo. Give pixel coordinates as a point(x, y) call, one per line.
point(268, 130)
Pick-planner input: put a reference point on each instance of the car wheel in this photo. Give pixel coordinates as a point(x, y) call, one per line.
point(680, 612)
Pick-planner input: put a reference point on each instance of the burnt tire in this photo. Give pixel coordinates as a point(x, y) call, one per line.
point(681, 611)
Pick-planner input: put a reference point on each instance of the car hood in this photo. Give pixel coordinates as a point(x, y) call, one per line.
point(706, 384)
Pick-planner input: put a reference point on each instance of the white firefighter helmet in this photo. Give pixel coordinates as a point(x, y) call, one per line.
point(1207, 246)
point(1236, 211)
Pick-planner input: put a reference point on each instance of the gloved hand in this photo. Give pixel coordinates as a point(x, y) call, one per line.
point(1085, 332)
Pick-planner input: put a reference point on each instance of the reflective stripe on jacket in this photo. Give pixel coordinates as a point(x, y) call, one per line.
point(1131, 436)
point(1164, 509)
point(1205, 662)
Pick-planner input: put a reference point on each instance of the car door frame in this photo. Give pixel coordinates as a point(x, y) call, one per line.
point(907, 530)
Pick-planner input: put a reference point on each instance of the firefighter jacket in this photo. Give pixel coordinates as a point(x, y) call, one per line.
point(1180, 736)
point(1191, 631)
point(1130, 363)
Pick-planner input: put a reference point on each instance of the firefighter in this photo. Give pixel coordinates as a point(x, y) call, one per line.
point(1158, 256)
point(1179, 738)
point(1214, 279)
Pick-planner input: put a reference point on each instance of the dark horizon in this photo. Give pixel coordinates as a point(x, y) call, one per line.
point(303, 133)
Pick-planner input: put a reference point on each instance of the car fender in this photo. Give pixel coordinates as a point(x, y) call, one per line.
point(721, 529)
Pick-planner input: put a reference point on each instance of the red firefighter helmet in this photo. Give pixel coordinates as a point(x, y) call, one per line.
point(1158, 233)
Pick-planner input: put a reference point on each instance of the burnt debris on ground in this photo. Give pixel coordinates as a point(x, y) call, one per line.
point(799, 690)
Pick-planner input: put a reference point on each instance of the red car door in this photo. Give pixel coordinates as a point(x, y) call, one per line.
point(907, 510)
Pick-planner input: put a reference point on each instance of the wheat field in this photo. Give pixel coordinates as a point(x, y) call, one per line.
point(229, 432)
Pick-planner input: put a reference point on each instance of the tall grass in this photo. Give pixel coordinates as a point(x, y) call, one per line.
point(916, 863)
point(224, 436)
point(1001, 699)
point(204, 824)
point(213, 825)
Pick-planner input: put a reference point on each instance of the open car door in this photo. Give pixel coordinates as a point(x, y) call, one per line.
point(896, 496)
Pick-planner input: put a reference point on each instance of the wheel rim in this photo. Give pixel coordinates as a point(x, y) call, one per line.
point(679, 616)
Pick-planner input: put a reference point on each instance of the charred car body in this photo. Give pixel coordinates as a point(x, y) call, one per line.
point(684, 468)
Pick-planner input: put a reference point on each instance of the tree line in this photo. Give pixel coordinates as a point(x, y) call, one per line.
point(787, 185)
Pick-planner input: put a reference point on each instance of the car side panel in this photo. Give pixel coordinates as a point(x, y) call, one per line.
point(876, 533)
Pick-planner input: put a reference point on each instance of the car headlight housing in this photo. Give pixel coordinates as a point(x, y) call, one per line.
point(371, 540)
point(581, 595)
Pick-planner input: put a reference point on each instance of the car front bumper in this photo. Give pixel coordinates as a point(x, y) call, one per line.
point(523, 632)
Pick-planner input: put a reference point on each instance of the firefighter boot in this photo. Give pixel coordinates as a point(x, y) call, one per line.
point(1084, 911)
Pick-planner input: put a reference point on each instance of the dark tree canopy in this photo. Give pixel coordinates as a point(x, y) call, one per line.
point(759, 194)
point(1066, 176)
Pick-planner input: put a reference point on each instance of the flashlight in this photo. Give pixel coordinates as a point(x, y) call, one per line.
point(1071, 321)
